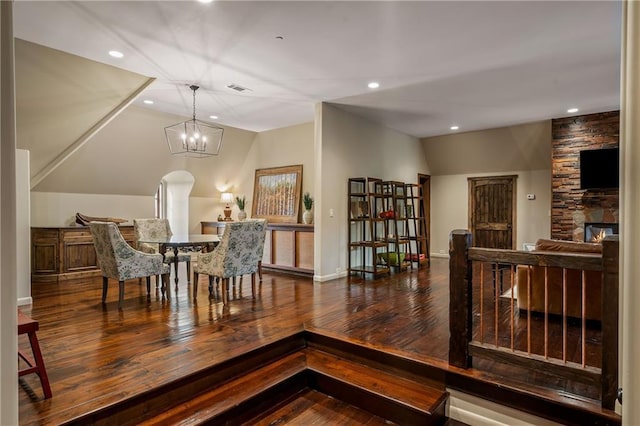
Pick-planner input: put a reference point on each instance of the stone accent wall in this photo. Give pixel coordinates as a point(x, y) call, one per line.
point(570, 206)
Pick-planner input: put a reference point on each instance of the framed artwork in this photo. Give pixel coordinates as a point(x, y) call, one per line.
point(276, 194)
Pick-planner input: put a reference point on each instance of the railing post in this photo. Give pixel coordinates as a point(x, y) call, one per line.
point(460, 314)
point(610, 309)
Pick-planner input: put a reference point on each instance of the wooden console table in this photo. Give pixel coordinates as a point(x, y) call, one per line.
point(59, 253)
point(288, 246)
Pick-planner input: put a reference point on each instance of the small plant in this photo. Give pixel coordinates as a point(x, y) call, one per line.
point(307, 201)
point(240, 202)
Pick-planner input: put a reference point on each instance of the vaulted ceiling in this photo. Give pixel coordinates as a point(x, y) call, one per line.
point(473, 64)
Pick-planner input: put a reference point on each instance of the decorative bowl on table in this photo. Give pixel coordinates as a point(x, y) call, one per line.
point(391, 258)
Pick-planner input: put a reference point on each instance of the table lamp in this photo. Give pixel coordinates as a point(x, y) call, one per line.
point(227, 198)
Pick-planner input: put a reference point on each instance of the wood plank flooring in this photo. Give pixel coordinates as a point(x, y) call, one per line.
point(97, 355)
point(315, 408)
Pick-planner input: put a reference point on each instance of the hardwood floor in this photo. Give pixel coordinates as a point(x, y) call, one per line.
point(315, 408)
point(97, 355)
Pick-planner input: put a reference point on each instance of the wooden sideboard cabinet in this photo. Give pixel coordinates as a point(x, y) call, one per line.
point(288, 246)
point(59, 253)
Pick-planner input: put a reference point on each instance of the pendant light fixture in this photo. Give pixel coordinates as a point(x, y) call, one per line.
point(194, 138)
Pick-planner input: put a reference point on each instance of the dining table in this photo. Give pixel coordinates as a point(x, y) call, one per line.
point(187, 242)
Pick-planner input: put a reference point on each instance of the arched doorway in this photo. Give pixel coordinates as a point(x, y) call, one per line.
point(172, 200)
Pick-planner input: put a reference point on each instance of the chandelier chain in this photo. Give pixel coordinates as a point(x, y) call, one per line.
point(194, 88)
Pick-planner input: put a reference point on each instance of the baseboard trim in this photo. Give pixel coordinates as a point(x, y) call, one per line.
point(441, 255)
point(25, 301)
point(329, 277)
point(472, 410)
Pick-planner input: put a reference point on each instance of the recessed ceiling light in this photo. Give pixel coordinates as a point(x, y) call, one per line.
point(373, 85)
point(454, 127)
point(213, 117)
point(205, 1)
point(116, 54)
point(148, 101)
point(572, 110)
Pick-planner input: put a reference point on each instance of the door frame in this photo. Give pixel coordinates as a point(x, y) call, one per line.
point(514, 199)
point(425, 183)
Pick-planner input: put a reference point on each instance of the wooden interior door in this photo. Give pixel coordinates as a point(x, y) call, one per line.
point(492, 206)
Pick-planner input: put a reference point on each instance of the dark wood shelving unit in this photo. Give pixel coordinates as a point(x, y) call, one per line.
point(417, 226)
point(367, 243)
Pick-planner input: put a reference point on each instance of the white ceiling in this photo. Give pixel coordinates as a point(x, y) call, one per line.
point(475, 64)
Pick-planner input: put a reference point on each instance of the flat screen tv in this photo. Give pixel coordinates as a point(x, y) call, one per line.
point(599, 168)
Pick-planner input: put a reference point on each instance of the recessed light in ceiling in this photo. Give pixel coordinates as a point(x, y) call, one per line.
point(213, 117)
point(205, 1)
point(454, 127)
point(148, 101)
point(373, 85)
point(572, 110)
point(116, 54)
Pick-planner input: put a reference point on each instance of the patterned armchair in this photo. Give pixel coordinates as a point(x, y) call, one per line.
point(118, 260)
point(239, 253)
point(159, 228)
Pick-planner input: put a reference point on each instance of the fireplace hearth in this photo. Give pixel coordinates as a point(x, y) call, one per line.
point(594, 232)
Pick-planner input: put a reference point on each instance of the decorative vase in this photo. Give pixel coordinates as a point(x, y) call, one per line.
point(307, 217)
point(242, 215)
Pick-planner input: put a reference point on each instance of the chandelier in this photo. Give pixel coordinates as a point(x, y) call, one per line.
point(194, 138)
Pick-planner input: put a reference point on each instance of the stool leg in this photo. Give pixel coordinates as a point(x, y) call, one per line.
point(41, 371)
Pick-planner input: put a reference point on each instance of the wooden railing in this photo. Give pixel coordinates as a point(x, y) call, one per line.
point(486, 322)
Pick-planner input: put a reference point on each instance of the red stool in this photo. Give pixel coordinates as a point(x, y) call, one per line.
point(36, 365)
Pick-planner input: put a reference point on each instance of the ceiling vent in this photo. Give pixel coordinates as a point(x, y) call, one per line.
point(237, 88)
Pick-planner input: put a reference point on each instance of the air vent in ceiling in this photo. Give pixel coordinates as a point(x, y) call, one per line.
point(237, 87)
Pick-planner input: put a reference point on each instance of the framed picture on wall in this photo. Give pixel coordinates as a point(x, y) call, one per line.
point(276, 193)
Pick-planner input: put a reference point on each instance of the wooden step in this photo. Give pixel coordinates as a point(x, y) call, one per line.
point(398, 365)
point(398, 399)
point(132, 409)
point(242, 398)
point(311, 407)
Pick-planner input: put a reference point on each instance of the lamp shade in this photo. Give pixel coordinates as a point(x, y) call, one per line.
point(226, 197)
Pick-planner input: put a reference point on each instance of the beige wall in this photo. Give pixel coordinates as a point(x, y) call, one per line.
point(523, 150)
point(522, 147)
point(274, 148)
point(60, 96)
point(449, 207)
point(350, 146)
point(235, 171)
point(59, 209)
point(130, 156)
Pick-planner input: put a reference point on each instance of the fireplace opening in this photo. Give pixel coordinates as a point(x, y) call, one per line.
point(594, 232)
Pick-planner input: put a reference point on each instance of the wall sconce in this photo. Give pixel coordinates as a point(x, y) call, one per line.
point(227, 198)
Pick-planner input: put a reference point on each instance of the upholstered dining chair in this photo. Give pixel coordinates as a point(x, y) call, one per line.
point(159, 228)
point(119, 261)
point(239, 253)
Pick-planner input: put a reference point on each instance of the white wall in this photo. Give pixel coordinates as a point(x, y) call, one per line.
point(23, 230)
point(450, 207)
point(178, 186)
point(350, 146)
point(59, 209)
